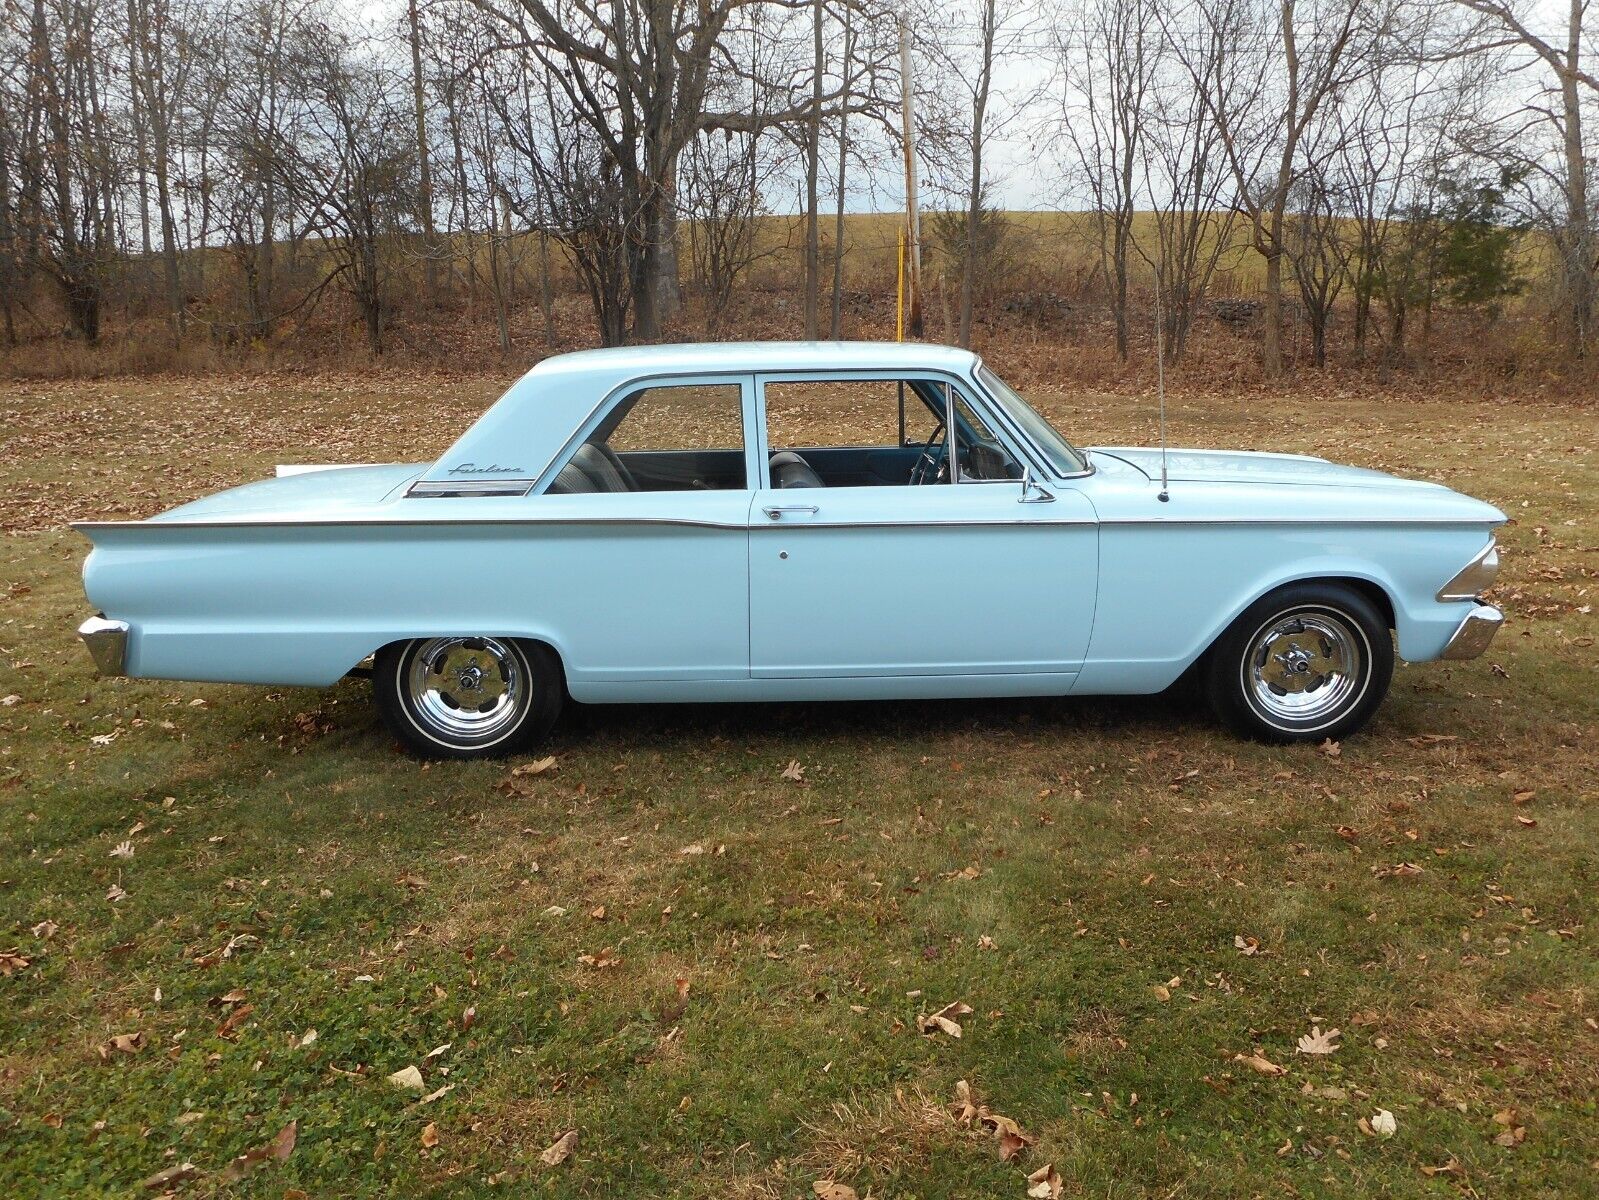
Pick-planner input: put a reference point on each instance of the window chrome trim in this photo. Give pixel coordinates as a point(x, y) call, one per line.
point(424, 488)
point(1475, 577)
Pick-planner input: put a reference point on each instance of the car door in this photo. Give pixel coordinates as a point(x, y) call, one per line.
point(903, 580)
point(637, 554)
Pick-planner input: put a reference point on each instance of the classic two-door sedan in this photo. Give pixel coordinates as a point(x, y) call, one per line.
point(686, 523)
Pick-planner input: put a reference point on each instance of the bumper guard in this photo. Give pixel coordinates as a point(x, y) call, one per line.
point(108, 645)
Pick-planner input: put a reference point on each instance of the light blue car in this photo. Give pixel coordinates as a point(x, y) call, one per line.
point(683, 523)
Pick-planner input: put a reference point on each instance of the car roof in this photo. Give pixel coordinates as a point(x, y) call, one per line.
point(520, 434)
point(680, 357)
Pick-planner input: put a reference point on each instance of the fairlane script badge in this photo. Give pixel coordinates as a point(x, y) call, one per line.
point(474, 469)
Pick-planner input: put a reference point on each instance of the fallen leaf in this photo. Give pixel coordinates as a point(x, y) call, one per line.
point(692, 851)
point(434, 1095)
point(162, 1180)
point(794, 772)
point(944, 1019)
point(826, 1189)
point(430, 1136)
point(121, 1043)
point(559, 1150)
point(1045, 1183)
point(121, 850)
point(1317, 1042)
point(1260, 1063)
point(1331, 748)
point(1383, 1123)
point(45, 929)
point(235, 1018)
point(407, 1077)
point(415, 882)
point(307, 1038)
point(534, 768)
point(1452, 1167)
point(606, 958)
point(277, 1150)
point(115, 893)
point(11, 962)
point(1247, 946)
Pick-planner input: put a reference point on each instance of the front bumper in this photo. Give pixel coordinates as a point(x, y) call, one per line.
point(108, 644)
point(1474, 633)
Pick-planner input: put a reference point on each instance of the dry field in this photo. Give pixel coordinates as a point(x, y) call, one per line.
point(714, 971)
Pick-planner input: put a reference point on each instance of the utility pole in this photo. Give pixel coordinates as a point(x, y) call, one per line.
point(912, 212)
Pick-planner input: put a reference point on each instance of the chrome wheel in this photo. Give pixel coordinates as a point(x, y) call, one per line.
point(470, 690)
point(1305, 667)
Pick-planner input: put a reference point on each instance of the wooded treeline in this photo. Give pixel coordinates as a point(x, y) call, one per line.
point(235, 167)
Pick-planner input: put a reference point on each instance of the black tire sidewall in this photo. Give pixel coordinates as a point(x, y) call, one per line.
point(540, 705)
point(1225, 665)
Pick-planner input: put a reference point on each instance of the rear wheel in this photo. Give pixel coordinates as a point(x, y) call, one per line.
point(467, 697)
point(1308, 662)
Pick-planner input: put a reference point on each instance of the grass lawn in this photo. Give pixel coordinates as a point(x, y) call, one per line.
point(713, 971)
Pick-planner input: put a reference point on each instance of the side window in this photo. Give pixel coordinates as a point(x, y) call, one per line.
point(663, 438)
point(853, 432)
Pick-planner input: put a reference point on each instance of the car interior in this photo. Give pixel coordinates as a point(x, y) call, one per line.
point(598, 466)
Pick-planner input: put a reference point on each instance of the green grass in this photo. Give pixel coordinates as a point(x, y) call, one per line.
point(1119, 844)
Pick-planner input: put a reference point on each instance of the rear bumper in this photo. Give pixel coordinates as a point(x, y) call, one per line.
point(108, 645)
point(1475, 632)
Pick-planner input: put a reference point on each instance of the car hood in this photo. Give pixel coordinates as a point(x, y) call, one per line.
point(328, 492)
point(1248, 466)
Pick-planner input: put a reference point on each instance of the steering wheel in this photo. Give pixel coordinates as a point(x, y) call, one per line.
point(933, 460)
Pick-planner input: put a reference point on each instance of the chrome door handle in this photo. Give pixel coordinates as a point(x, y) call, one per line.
point(777, 510)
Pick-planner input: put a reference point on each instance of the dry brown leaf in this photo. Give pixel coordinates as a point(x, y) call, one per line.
point(1260, 1063)
point(277, 1150)
point(121, 1043)
point(164, 1179)
point(794, 772)
point(1247, 946)
point(11, 962)
point(234, 1019)
point(430, 1136)
point(1317, 1042)
point(407, 1077)
point(944, 1019)
point(533, 768)
point(1045, 1183)
point(827, 1189)
point(45, 929)
point(606, 958)
point(1452, 1167)
point(560, 1150)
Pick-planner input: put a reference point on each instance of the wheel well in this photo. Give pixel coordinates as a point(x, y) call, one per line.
point(1371, 591)
point(1374, 592)
point(364, 667)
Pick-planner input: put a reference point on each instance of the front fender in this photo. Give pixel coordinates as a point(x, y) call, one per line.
point(1168, 591)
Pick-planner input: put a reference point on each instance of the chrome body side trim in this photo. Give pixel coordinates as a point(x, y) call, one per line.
point(1475, 577)
point(1476, 631)
point(108, 645)
point(424, 488)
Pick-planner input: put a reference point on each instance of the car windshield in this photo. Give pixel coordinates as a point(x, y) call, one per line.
point(1062, 455)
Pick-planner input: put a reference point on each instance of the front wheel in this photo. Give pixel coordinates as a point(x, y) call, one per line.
point(1308, 662)
point(467, 697)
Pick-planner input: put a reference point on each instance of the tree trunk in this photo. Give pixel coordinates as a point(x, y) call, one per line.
point(1580, 256)
point(424, 175)
point(813, 159)
point(835, 327)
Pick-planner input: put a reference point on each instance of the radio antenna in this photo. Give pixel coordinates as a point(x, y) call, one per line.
point(1160, 379)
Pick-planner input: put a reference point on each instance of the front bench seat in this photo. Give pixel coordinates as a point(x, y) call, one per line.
point(789, 470)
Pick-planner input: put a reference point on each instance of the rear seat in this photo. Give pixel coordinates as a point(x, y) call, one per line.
point(593, 468)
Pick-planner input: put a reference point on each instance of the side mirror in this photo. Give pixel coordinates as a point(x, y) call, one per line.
point(1033, 493)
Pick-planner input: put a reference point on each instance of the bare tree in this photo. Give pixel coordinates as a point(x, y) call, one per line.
point(1109, 55)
